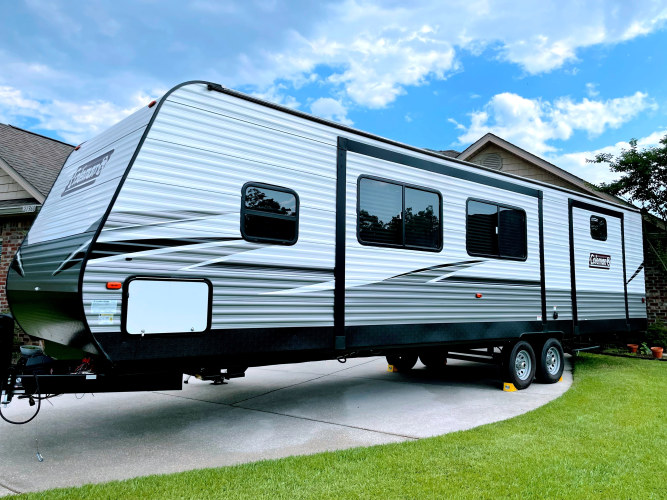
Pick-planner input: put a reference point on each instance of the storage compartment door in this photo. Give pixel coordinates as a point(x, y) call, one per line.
point(598, 261)
point(167, 306)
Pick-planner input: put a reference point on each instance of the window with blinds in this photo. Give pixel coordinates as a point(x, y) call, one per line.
point(496, 231)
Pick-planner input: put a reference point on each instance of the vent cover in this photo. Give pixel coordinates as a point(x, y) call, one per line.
point(493, 160)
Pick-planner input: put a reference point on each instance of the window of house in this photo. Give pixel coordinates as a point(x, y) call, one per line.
point(269, 214)
point(399, 215)
point(496, 231)
point(598, 228)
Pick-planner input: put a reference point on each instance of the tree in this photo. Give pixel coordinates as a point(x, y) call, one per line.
point(643, 176)
point(643, 182)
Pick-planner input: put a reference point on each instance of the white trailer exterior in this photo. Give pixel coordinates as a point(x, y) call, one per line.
point(155, 211)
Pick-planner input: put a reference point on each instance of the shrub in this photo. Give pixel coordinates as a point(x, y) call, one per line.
point(656, 334)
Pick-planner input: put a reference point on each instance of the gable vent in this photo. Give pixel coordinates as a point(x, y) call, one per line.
point(493, 160)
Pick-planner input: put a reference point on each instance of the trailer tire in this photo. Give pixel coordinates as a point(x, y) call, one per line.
point(434, 360)
point(403, 362)
point(519, 364)
point(551, 362)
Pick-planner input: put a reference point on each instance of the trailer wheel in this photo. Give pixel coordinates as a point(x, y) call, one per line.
point(403, 361)
point(519, 364)
point(550, 365)
point(434, 360)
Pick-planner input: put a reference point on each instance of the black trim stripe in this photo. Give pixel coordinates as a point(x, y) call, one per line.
point(625, 282)
point(339, 266)
point(465, 263)
point(543, 285)
point(573, 278)
point(246, 266)
point(457, 173)
point(489, 281)
point(112, 248)
point(639, 269)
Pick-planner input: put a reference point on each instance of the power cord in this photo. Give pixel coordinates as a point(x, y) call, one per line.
point(32, 400)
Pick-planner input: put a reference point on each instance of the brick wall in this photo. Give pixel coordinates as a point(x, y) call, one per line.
point(12, 231)
point(656, 285)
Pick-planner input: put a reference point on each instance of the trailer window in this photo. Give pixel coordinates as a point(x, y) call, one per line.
point(598, 228)
point(495, 231)
point(269, 214)
point(398, 215)
point(422, 218)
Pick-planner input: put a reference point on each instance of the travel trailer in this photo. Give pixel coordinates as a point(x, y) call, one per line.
point(212, 231)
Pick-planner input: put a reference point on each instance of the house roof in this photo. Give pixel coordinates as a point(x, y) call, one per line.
point(32, 160)
point(580, 183)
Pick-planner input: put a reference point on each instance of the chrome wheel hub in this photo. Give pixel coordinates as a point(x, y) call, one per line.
point(552, 361)
point(522, 365)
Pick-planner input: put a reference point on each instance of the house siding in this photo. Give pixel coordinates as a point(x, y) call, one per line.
point(512, 164)
point(10, 189)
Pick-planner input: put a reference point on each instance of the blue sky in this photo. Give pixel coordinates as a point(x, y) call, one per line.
point(562, 79)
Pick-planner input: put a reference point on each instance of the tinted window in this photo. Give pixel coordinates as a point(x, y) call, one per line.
point(495, 231)
point(422, 218)
point(269, 214)
point(598, 228)
point(394, 214)
point(482, 230)
point(380, 206)
point(511, 233)
point(270, 200)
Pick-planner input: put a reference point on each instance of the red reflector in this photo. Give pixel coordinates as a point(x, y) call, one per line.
point(77, 148)
point(478, 295)
point(114, 285)
point(643, 300)
point(152, 103)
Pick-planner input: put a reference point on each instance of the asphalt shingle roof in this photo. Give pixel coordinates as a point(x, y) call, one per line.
point(34, 157)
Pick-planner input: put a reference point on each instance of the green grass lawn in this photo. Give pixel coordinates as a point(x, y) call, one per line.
point(605, 438)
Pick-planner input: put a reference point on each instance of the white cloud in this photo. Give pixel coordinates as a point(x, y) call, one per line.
point(376, 49)
point(366, 52)
point(592, 89)
point(534, 123)
point(598, 173)
point(330, 109)
point(379, 68)
point(72, 121)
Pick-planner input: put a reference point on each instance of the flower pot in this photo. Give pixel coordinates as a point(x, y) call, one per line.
point(633, 347)
point(657, 352)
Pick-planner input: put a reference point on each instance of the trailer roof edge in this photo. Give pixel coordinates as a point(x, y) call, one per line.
point(224, 90)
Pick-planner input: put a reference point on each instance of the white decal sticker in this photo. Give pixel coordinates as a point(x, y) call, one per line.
point(103, 306)
point(539, 317)
point(106, 319)
point(599, 261)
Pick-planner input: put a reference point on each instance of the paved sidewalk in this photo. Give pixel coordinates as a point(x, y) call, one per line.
point(273, 412)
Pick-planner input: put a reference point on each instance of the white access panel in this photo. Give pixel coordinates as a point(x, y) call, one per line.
point(167, 306)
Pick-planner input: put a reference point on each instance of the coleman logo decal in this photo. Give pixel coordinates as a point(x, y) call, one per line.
point(599, 261)
point(87, 173)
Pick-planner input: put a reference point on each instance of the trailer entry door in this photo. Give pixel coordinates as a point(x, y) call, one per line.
point(598, 261)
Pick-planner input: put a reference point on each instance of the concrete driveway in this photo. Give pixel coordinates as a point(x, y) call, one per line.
point(273, 412)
